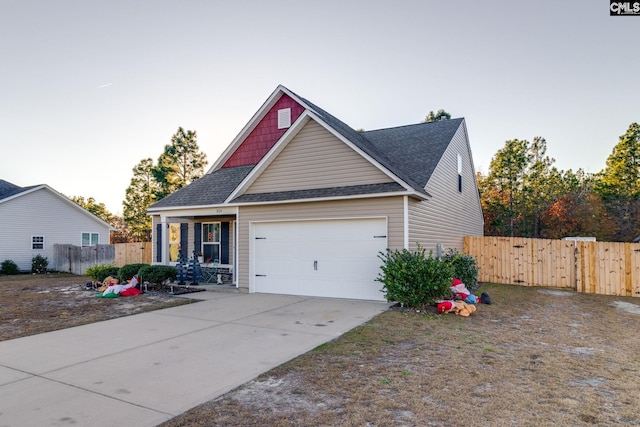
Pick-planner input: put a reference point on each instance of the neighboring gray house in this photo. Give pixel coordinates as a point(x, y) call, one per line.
point(33, 219)
point(300, 203)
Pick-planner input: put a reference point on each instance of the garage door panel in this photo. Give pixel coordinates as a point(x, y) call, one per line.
point(335, 258)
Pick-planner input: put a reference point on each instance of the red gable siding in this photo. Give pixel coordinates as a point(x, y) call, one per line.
point(265, 135)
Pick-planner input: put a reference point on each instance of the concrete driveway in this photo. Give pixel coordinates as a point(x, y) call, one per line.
point(145, 369)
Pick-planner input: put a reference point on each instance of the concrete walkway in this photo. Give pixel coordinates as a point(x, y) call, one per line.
point(144, 369)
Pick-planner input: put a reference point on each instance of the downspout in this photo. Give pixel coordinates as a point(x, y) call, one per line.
point(236, 261)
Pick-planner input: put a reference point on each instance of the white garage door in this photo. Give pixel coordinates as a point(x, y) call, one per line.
point(333, 258)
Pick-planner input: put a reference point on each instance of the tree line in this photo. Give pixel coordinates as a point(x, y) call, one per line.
point(525, 195)
point(522, 195)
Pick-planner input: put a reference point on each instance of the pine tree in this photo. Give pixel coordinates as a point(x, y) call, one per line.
point(180, 164)
point(542, 185)
point(619, 184)
point(98, 209)
point(440, 115)
point(502, 191)
point(140, 194)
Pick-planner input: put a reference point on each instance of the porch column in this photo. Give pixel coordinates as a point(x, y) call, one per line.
point(165, 241)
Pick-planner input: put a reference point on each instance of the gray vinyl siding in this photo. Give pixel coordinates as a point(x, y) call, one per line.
point(449, 215)
point(389, 207)
point(315, 158)
point(43, 213)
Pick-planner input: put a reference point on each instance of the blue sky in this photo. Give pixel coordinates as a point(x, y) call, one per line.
point(89, 88)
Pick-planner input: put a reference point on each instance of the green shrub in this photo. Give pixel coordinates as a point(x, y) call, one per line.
point(100, 272)
point(465, 267)
point(39, 264)
point(9, 267)
point(158, 274)
point(412, 279)
point(126, 272)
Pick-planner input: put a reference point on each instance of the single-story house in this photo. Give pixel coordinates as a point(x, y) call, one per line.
point(33, 219)
point(300, 203)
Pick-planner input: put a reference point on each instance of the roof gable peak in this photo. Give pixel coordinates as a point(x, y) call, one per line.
point(389, 149)
point(258, 119)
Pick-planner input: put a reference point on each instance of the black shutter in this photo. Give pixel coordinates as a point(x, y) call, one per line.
point(184, 240)
point(224, 243)
point(197, 236)
point(159, 243)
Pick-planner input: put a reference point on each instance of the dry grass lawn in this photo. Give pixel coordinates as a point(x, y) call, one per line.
point(536, 357)
point(33, 304)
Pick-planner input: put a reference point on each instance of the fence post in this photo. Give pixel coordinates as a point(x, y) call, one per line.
point(627, 270)
point(575, 265)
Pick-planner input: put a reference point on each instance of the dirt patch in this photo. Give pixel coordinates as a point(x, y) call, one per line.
point(34, 304)
point(542, 357)
point(627, 306)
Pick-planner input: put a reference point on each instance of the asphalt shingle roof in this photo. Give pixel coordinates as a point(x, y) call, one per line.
point(211, 189)
point(410, 152)
point(8, 189)
point(352, 190)
point(415, 149)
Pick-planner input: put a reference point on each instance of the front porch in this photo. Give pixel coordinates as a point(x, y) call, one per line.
point(210, 236)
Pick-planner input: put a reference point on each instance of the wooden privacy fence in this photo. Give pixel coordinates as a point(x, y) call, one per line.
point(606, 268)
point(132, 253)
point(76, 259)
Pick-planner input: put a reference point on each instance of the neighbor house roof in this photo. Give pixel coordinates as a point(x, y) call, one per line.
point(8, 189)
point(410, 153)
